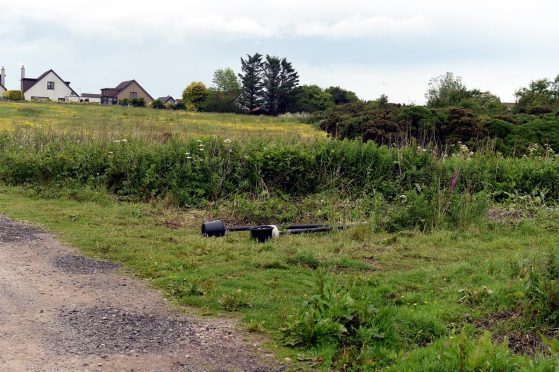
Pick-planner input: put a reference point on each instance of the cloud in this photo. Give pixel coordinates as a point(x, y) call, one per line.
point(364, 27)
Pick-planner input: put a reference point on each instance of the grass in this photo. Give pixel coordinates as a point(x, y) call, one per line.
point(423, 276)
point(363, 298)
point(115, 123)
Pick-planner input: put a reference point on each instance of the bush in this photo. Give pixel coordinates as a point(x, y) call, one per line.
point(13, 95)
point(194, 96)
point(157, 104)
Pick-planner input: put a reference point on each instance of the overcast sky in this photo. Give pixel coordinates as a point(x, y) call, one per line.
point(371, 47)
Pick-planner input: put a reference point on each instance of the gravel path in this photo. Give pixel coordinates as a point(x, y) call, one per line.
point(61, 311)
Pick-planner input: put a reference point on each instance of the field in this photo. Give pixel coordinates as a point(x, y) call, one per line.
point(454, 264)
point(118, 123)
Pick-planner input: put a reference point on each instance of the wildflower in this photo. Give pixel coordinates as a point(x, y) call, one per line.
point(453, 182)
point(227, 141)
point(110, 152)
point(403, 198)
point(187, 153)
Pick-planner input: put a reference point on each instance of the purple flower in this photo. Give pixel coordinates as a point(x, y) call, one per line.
point(453, 182)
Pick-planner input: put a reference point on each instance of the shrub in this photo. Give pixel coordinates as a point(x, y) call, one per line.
point(194, 96)
point(157, 104)
point(13, 95)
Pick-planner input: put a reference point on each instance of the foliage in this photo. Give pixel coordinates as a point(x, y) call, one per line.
point(134, 102)
point(541, 96)
point(268, 85)
point(311, 98)
point(342, 96)
point(13, 95)
point(251, 83)
point(444, 129)
point(157, 104)
point(194, 96)
point(223, 95)
point(194, 172)
point(446, 90)
point(225, 81)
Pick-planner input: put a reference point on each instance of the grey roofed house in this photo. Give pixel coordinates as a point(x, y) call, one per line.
point(168, 100)
point(91, 95)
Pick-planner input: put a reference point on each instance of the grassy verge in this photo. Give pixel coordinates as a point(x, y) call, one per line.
point(424, 291)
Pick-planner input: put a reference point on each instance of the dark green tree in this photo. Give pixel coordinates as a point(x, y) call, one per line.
point(342, 96)
point(289, 81)
point(251, 83)
point(272, 71)
point(311, 98)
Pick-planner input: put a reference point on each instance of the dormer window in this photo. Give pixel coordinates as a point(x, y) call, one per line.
point(50, 85)
point(133, 95)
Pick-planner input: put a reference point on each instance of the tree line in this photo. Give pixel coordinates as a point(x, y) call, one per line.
point(266, 85)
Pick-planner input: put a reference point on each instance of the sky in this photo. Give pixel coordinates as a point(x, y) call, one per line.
point(371, 47)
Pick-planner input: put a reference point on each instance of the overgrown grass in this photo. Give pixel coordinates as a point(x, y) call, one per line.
point(115, 123)
point(447, 249)
point(412, 292)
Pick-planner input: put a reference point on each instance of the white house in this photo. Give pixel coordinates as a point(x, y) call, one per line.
point(47, 86)
point(2, 81)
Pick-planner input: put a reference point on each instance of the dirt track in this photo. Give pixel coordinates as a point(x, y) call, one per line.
point(60, 311)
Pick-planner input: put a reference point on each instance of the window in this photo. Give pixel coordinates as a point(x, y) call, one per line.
point(133, 95)
point(50, 85)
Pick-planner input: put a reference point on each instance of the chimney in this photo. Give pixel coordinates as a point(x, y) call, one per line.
point(22, 76)
point(3, 77)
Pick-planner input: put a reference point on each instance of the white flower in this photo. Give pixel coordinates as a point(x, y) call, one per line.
point(227, 141)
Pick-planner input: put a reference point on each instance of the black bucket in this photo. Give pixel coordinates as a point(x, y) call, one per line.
point(262, 233)
point(214, 228)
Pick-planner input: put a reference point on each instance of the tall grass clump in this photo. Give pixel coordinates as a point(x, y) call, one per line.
point(196, 172)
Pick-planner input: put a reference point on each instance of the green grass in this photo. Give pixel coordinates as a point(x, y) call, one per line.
point(115, 123)
point(423, 277)
point(413, 299)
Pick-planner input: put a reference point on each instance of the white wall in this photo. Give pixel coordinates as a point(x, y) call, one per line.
point(2, 90)
point(60, 90)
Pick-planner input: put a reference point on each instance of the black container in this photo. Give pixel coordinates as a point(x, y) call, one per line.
point(214, 228)
point(262, 233)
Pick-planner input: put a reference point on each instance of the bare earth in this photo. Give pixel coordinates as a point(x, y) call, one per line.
point(61, 311)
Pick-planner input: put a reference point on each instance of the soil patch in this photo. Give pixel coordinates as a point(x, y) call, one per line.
point(11, 231)
point(83, 265)
point(112, 331)
point(520, 342)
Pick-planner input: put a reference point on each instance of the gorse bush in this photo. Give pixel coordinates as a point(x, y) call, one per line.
point(442, 128)
point(192, 173)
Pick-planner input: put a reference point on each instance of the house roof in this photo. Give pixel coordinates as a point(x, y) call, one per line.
point(124, 85)
point(28, 83)
point(90, 95)
point(166, 99)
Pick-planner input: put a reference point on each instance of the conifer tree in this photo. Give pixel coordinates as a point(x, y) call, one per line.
point(251, 83)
